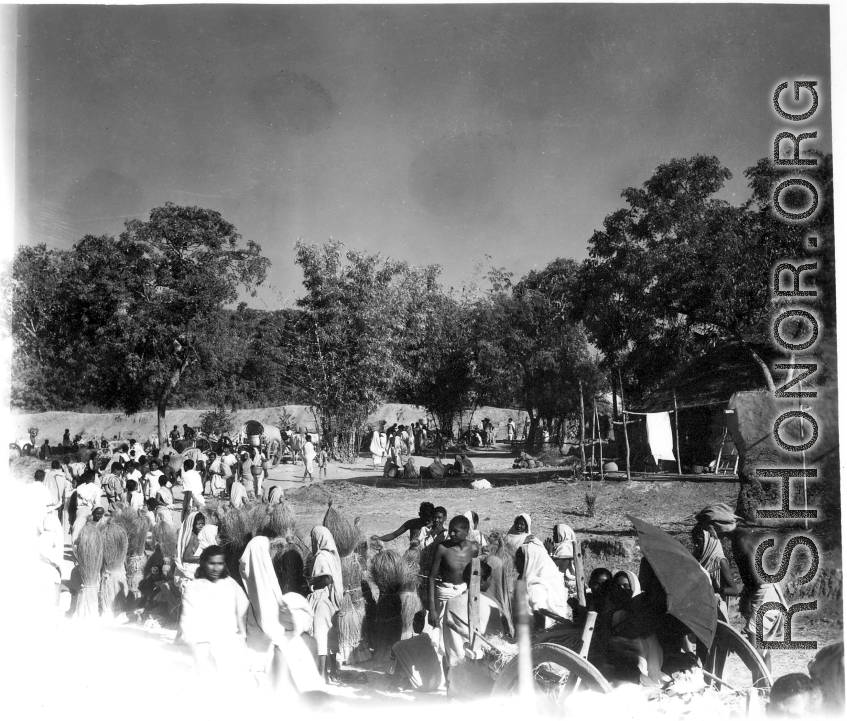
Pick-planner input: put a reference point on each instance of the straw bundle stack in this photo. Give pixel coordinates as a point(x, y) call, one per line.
point(164, 541)
point(346, 536)
point(279, 521)
point(351, 616)
point(136, 527)
point(397, 583)
point(89, 554)
point(113, 582)
point(289, 567)
point(505, 553)
point(234, 533)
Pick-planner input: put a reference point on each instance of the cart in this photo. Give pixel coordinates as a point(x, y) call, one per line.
point(560, 653)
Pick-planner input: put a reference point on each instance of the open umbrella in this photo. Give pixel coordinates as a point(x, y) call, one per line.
point(689, 591)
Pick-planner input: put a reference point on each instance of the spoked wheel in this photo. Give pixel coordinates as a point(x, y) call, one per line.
point(730, 654)
point(558, 671)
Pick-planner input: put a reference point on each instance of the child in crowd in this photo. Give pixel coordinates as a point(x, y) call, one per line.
point(322, 461)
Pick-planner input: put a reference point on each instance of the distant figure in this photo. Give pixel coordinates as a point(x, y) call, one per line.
point(66, 438)
point(174, 436)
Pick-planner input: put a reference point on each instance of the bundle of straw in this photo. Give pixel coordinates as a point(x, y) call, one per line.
point(136, 527)
point(395, 580)
point(280, 520)
point(164, 541)
point(289, 567)
point(506, 554)
point(234, 533)
point(113, 582)
point(352, 641)
point(346, 536)
point(89, 555)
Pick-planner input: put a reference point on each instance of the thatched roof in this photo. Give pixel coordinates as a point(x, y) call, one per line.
point(709, 380)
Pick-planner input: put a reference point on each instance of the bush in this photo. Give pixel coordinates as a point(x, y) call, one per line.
point(217, 422)
point(590, 503)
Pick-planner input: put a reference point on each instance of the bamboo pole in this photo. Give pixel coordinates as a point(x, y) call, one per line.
point(593, 441)
point(676, 432)
point(600, 439)
point(526, 680)
point(581, 426)
point(625, 431)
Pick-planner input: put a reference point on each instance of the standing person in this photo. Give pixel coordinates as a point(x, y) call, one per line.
point(520, 532)
point(66, 439)
point(437, 532)
point(164, 500)
point(245, 473)
point(378, 448)
point(213, 620)
point(54, 482)
point(256, 471)
point(415, 526)
point(40, 495)
point(134, 497)
point(325, 599)
point(174, 436)
point(192, 488)
point(562, 548)
point(215, 476)
point(87, 499)
point(322, 461)
point(446, 577)
point(526, 429)
point(709, 554)
point(188, 548)
point(308, 458)
point(150, 482)
point(511, 433)
point(475, 534)
point(279, 622)
point(113, 486)
point(229, 462)
point(721, 519)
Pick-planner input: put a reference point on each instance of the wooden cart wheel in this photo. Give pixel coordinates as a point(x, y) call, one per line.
point(720, 662)
point(558, 672)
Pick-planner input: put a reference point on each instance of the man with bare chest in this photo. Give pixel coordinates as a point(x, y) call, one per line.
point(446, 573)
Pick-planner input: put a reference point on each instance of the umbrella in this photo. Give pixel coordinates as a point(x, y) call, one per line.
point(689, 590)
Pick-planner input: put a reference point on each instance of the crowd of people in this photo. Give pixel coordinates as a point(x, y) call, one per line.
point(635, 638)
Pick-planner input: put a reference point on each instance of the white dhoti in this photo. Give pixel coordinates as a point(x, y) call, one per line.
point(773, 621)
point(443, 593)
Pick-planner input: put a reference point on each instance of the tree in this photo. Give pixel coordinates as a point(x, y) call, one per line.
point(347, 342)
point(532, 348)
point(679, 269)
point(151, 303)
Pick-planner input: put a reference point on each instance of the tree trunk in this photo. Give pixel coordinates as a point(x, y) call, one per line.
point(766, 372)
point(161, 407)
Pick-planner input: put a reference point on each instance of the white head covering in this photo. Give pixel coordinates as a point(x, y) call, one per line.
point(237, 494)
point(207, 537)
point(183, 538)
point(545, 585)
point(634, 583)
point(566, 546)
point(474, 535)
point(277, 618)
point(327, 562)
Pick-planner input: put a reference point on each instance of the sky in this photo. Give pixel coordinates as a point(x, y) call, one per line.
point(433, 134)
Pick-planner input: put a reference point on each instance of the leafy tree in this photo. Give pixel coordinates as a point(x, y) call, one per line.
point(151, 303)
point(347, 343)
point(532, 349)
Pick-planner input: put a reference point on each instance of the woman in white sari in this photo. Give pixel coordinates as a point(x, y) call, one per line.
point(520, 533)
point(325, 599)
point(545, 585)
point(237, 494)
point(188, 548)
point(378, 448)
point(278, 623)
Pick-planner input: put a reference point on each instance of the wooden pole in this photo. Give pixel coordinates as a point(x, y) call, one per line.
point(593, 443)
point(526, 679)
point(579, 573)
point(581, 426)
point(676, 432)
point(625, 431)
point(600, 439)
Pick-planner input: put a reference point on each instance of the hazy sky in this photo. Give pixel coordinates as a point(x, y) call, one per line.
point(436, 134)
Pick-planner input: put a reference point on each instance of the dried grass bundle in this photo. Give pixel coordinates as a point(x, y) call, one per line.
point(346, 536)
point(113, 578)
point(352, 646)
point(390, 572)
point(89, 555)
point(136, 527)
point(289, 566)
point(506, 554)
point(234, 533)
point(164, 538)
point(280, 520)
point(410, 604)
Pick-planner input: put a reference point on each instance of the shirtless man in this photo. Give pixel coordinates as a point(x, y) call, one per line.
point(446, 575)
point(723, 521)
point(424, 522)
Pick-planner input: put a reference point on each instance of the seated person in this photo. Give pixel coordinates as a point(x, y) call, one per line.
point(794, 695)
point(435, 470)
point(462, 465)
point(416, 664)
point(596, 593)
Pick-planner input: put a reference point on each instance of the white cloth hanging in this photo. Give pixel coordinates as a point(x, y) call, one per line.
point(660, 436)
